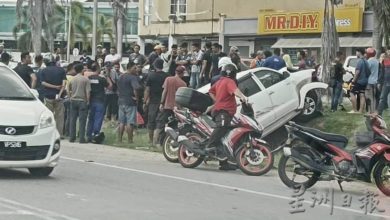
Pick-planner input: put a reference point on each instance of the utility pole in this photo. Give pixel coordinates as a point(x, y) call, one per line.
point(68, 32)
point(94, 28)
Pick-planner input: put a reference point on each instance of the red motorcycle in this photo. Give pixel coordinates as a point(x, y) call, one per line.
point(246, 149)
point(311, 155)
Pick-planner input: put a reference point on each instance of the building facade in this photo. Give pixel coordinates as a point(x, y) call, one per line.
point(252, 25)
point(8, 20)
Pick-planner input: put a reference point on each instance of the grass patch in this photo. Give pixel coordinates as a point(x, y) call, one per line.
point(141, 139)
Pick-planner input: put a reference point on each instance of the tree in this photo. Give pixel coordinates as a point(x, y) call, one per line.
point(79, 23)
point(104, 26)
point(119, 8)
point(329, 38)
point(37, 17)
point(381, 31)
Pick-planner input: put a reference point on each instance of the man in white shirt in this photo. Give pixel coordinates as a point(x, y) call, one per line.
point(165, 55)
point(113, 57)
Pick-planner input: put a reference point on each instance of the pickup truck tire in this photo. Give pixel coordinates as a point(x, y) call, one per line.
point(310, 110)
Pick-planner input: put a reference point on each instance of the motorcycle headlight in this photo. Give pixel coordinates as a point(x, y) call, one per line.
point(46, 120)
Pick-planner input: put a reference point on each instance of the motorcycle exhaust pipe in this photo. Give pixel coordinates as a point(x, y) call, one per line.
point(189, 145)
point(305, 162)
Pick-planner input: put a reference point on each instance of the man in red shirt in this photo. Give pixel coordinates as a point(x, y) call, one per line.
point(223, 93)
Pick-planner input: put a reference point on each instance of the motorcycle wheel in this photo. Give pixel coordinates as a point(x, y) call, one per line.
point(188, 159)
point(309, 177)
point(170, 152)
point(255, 161)
point(382, 176)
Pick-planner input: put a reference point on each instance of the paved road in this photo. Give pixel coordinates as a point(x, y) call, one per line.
point(97, 182)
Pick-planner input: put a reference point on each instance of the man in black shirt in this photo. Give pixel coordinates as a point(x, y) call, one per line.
point(337, 80)
point(206, 64)
point(215, 57)
point(25, 71)
point(53, 80)
point(152, 97)
point(97, 100)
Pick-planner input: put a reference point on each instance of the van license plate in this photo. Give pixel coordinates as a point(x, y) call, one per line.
point(13, 144)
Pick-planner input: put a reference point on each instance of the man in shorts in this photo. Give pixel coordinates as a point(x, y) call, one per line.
point(127, 101)
point(360, 82)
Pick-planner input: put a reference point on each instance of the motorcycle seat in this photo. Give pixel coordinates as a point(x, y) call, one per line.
point(335, 139)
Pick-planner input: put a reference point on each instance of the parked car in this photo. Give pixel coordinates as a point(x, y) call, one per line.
point(279, 96)
point(350, 64)
point(28, 135)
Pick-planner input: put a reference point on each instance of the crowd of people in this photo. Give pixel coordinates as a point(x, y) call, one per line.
point(369, 89)
point(91, 91)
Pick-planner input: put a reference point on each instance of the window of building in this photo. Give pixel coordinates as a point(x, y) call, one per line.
point(179, 7)
point(148, 5)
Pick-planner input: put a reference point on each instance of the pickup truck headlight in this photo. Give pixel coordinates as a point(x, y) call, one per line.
point(46, 120)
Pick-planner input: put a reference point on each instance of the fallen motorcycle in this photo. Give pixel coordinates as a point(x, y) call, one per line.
point(311, 155)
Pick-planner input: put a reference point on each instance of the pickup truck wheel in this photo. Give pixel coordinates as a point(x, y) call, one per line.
point(310, 107)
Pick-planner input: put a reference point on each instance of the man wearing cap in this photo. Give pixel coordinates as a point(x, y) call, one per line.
point(171, 85)
point(152, 97)
point(99, 55)
point(153, 56)
point(113, 57)
point(111, 93)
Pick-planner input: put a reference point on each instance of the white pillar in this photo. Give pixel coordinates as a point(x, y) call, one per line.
point(221, 37)
point(141, 43)
point(94, 28)
point(68, 32)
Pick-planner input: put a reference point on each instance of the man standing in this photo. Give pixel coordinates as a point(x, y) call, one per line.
point(113, 57)
point(111, 106)
point(96, 111)
point(217, 55)
point(184, 60)
point(360, 82)
point(38, 72)
point(153, 56)
point(165, 55)
point(85, 59)
point(383, 101)
point(99, 55)
point(258, 61)
point(53, 83)
point(275, 62)
point(371, 91)
point(206, 64)
point(25, 71)
point(79, 93)
point(171, 85)
point(172, 60)
point(127, 88)
point(196, 65)
point(338, 80)
point(136, 57)
point(152, 97)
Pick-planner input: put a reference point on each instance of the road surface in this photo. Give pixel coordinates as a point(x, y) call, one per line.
point(94, 182)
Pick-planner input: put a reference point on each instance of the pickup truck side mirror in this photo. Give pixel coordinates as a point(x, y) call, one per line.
point(286, 75)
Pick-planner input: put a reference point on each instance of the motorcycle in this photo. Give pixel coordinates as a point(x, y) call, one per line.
point(311, 155)
point(181, 124)
point(242, 143)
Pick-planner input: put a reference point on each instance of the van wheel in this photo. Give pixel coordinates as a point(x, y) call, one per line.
point(41, 171)
point(310, 107)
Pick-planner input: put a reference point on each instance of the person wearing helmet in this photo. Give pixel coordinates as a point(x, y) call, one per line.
point(224, 61)
point(371, 90)
point(223, 93)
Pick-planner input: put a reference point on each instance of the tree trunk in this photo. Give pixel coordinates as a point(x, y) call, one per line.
point(36, 9)
point(119, 34)
point(377, 34)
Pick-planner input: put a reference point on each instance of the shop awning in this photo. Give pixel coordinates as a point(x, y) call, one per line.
point(316, 42)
